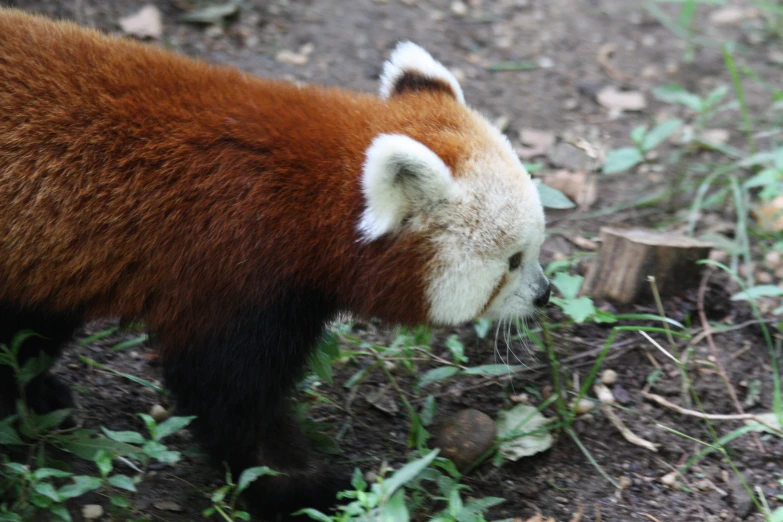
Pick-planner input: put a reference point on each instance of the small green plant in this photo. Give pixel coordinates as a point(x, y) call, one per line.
point(225, 498)
point(33, 484)
point(645, 141)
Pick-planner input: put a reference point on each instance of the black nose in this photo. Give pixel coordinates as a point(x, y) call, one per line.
point(542, 299)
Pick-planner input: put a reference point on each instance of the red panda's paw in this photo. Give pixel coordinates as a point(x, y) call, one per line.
point(279, 497)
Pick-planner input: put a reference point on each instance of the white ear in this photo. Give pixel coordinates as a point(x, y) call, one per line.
point(400, 176)
point(412, 68)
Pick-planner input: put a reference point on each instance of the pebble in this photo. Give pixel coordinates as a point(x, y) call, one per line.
point(92, 511)
point(609, 377)
point(459, 8)
point(159, 413)
point(287, 56)
point(167, 505)
point(670, 479)
point(584, 406)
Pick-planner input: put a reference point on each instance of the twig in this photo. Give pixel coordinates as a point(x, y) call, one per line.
point(709, 416)
point(624, 431)
point(701, 335)
point(705, 324)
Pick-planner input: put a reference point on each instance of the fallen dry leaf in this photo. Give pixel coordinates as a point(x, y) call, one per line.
point(167, 505)
point(769, 214)
point(537, 139)
point(288, 56)
point(147, 23)
point(604, 59)
point(580, 187)
point(731, 15)
point(613, 98)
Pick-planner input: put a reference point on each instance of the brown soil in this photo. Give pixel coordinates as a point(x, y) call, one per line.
point(350, 41)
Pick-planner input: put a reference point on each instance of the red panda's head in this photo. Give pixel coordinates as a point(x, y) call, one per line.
point(469, 198)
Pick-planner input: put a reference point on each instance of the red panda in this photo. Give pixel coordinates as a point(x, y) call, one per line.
point(236, 216)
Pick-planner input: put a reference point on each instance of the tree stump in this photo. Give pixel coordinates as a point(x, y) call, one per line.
point(628, 256)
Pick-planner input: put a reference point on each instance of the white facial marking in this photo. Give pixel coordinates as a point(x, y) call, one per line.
point(499, 214)
point(400, 176)
point(409, 57)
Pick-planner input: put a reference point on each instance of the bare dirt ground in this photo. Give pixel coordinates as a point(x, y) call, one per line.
point(340, 42)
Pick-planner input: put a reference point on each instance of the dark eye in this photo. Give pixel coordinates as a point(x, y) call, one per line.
point(515, 261)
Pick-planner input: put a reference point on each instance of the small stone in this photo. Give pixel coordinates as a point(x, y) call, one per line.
point(571, 104)
point(288, 56)
point(147, 23)
point(624, 482)
point(773, 259)
point(613, 98)
point(763, 278)
point(609, 377)
point(167, 505)
point(466, 436)
point(459, 8)
point(92, 511)
point(159, 413)
point(727, 16)
point(545, 62)
point(584, 406)
point(670, 479)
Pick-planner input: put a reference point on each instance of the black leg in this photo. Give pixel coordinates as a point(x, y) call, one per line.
point(236, 381)
point(44, 393)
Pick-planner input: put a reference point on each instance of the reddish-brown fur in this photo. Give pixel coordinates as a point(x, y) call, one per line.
point(135, 182)
point(220, 209)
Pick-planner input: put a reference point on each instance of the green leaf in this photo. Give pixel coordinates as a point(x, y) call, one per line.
point(779, 159)
point(138, 380)
point(122, 482)
point(482, 327)
point(677, 94)
point(34, 367)
point(61, 511)
point(579, 309)
point(314, 514)
point(45, 473)
point(321, 364)
point(47, 489)
point(241, 515)
point(150, 423)
point(171, 425)
point(251, 474)
point(660, 133)
point(86, 445)
point(764, 178)
point(715, 96)
point(553, 198)
point(98, 336)
point(81, 484)
point(120, 501)
point(437, 374)
point(131, 437)
point(395, 509)
point(490, 370)
point(638, 134)
point(777, 515)
point(130, 343)
point(219, 495)
point(159, 452)
point(406, 473)
point(34, 424)
point(622, 159)
point(103, 460)
point(456, 348)
point(8, 434)
point(16, 468)
point(357, 480)
point(758, 291)
point(428, 410)
point(568, 285)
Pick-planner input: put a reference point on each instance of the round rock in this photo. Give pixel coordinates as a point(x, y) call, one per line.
point(466, 436)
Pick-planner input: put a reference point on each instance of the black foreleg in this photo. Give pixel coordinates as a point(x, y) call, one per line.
point(236, 384)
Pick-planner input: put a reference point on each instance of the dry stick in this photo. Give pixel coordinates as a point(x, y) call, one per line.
point(705, 324)
point(701, 335)
point(710, 416)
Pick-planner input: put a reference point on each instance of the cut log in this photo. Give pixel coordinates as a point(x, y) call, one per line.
point(628, 256)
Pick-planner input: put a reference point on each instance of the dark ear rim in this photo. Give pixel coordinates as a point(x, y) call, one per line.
point(411, 69)
point(415, 82)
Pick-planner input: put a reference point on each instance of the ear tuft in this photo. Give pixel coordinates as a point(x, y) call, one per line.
point(410, 68)
point(401, 176)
